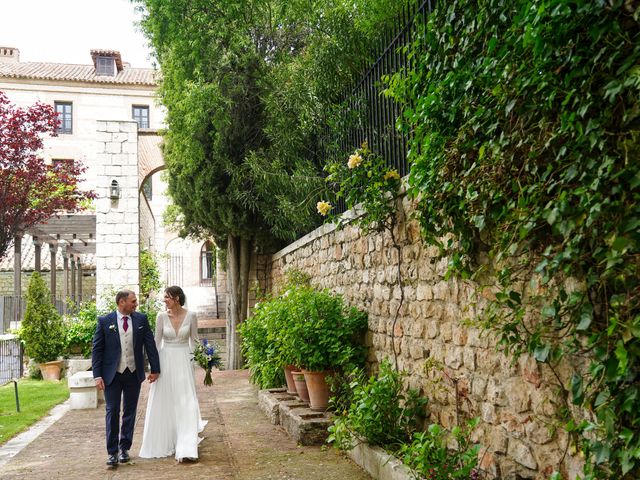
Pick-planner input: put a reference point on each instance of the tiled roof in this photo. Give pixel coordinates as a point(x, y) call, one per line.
point(76, 73)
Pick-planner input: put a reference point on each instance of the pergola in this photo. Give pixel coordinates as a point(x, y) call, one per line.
point(74, 235)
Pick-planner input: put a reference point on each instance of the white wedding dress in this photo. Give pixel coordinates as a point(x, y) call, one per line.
point(173, 421)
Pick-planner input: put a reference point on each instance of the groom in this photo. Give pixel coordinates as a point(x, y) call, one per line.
point(118, 369)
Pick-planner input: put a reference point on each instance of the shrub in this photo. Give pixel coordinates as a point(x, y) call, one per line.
point(429, 456)
point(42, 330)
point(80, 329)
point(380, 412)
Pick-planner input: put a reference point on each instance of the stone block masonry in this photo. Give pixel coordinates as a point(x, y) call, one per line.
point(117, 220)
point(435, 340)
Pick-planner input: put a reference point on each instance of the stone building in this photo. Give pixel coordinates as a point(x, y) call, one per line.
point(109, 121)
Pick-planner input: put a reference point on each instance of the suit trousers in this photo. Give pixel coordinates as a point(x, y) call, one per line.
point(123, 390)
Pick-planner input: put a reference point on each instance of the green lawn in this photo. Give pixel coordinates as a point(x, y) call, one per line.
point(37, 397)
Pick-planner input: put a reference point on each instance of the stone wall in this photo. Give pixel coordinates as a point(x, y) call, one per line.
point(433, 341)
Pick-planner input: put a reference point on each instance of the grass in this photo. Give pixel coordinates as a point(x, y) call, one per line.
point(37, 397)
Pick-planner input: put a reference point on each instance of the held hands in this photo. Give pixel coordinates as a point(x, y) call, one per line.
point(153, 377)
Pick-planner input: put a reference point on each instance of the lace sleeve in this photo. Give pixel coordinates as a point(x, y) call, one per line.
point(159, 329)
point(194, 331)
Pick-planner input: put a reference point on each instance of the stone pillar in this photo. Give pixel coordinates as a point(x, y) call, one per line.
point(53, 250)
point(17, 277)
point(65, 281)
point(37, 248)
point(117, 219)
point(79, 292)
point(72, 278)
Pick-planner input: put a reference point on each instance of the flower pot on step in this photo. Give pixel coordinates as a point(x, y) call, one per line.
point(301, 386)
point(318, 389)
point(291, 387)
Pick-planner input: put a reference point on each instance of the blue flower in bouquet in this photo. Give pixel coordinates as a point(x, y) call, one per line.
point(206, 355)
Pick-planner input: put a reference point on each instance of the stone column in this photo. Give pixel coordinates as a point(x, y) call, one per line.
point(73, 276)
point(79, 292)
point(17, 277)
point(117, 219)
point(65, 281)
point(37, 248)
point(53, 250)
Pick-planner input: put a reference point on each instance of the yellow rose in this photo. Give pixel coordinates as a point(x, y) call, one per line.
point(392, 174)
point(323, 207)
point(354, 160)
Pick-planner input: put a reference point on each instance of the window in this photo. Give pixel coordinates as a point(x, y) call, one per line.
point(64, 111)
point(105, 66)
point(141, 115)
point(147, 188)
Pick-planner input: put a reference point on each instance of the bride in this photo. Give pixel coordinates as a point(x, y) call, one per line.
point(173, 421)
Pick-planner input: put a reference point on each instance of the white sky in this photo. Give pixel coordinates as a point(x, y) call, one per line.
point(63, 31)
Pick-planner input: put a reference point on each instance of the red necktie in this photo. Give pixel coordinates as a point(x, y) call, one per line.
point(125, 325)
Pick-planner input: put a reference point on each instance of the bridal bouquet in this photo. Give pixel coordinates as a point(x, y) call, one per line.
point(206, 355)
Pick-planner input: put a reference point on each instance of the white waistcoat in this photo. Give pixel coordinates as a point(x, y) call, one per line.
point(127, 359)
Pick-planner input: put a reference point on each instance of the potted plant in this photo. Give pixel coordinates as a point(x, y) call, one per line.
point(42, 330)
point(323, 336)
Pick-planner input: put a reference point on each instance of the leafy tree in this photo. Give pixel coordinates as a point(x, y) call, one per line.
point(42, 329)
point(248, 87)
point(30, 190)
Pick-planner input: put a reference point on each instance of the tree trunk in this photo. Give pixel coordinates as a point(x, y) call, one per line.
point(238, 262)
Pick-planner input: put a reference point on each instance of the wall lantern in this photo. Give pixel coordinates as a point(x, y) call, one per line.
point(114, 191)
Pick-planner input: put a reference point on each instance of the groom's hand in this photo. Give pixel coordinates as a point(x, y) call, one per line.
point(153, 377)
point(99, 383)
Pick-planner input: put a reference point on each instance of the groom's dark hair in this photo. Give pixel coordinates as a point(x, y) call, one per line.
point(176, 292)
point(122, 294)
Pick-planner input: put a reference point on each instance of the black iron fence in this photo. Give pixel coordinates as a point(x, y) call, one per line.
point(11, 360)
point(365, 113)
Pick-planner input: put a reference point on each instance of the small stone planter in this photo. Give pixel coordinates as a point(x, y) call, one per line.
point(379, 464)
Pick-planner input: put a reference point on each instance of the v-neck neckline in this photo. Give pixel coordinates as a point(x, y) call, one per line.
point(177, 332)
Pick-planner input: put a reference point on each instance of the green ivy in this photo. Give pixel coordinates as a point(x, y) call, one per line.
point(524, 118)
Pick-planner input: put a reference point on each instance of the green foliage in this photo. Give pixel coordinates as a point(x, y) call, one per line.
point(247, 95)
point(380, 412)
point(525, 122)
point(430, 457)
point(80, 329)
point(149, 275)
point(366, 180)
point(302, 327)
point(322, 332)
point(42, 330)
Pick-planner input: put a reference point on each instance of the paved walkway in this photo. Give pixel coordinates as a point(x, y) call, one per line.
point(239, 444)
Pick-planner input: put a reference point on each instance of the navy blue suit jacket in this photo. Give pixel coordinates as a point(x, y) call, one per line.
point(106, 347)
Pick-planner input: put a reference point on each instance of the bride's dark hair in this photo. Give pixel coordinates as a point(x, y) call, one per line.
point(176, 292)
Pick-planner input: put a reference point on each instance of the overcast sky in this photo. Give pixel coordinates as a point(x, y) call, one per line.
point(63, 31)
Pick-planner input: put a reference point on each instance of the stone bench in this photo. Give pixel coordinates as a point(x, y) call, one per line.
point(83, 391)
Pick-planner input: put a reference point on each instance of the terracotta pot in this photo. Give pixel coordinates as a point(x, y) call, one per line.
point(318, 389)
point(291, 386)
point(301, 386)
point(51, 370)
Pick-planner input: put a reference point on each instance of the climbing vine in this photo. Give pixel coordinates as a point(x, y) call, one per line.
point(524, 119)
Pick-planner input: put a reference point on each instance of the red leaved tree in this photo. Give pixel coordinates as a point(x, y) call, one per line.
point(30, 190)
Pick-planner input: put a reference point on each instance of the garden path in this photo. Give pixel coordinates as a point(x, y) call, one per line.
point(239, 444)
